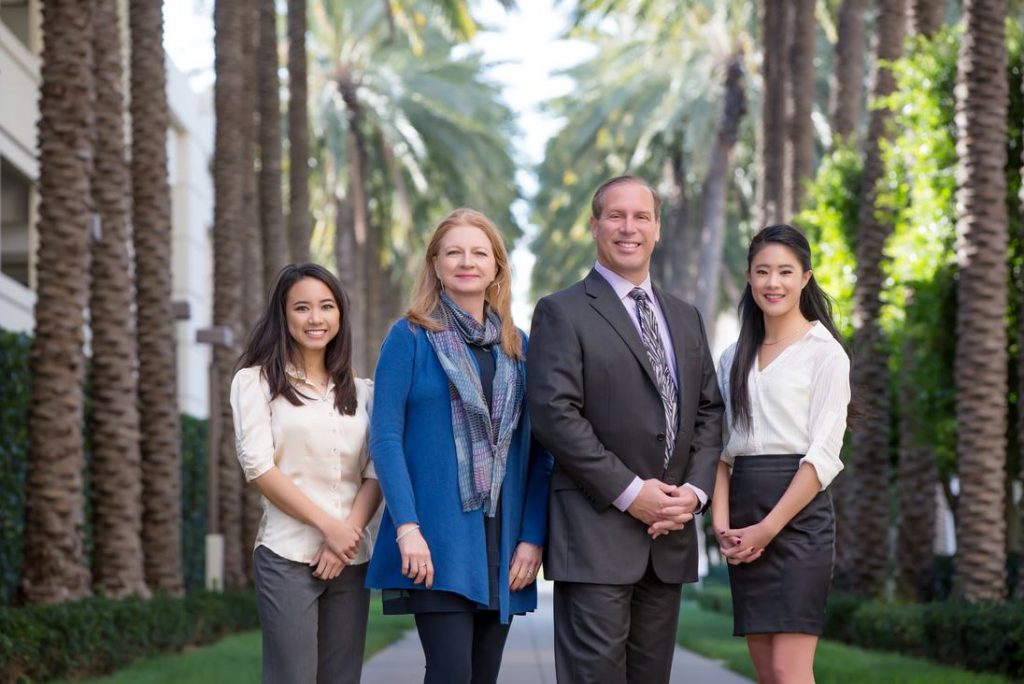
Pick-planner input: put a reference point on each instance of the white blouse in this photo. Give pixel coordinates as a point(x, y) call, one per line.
point(797, 404)
point(321, 450)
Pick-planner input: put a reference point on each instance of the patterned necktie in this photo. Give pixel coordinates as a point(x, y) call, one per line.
point(656, 355)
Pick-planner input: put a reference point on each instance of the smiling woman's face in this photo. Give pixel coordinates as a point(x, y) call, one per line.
point(313, 314)
point(465, 263)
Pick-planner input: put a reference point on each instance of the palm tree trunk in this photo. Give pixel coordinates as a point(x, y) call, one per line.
point(672, 259)
point(351, 271)
point(870, 465)
point(255, 289)
point(926, 16)
point(917, 476)
point(231, 164)
point(982, 96)
point(771, 143)
point(158, 395)
point(53, 566)
point(275, 246)
point(847, 95)
point(712, 234)
point(116, 461)
point(298, 133)
point(800, 154)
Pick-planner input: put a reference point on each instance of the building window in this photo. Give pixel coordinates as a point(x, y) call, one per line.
point(15, 211)
point(16, 16)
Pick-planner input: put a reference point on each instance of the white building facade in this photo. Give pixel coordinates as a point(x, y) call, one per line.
point(190, 149)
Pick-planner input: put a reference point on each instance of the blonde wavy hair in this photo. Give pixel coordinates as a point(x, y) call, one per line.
point(426, 293)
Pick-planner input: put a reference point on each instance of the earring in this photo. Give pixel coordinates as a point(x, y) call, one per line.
point(497, 288)
point(439, 281)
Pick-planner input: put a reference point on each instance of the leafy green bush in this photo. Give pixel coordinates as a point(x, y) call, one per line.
point(982, 637)
point(14, 402)
point(98, 635)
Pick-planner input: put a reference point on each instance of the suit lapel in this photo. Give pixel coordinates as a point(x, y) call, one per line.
point(610, 307)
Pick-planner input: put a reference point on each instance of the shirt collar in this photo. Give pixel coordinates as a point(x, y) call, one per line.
point(296, 373)
point(622, 286)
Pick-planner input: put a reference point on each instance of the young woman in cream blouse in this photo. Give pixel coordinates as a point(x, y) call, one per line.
point(301, 419)
point(787, 387)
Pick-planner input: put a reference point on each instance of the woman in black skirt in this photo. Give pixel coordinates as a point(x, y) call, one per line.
point(787, 384)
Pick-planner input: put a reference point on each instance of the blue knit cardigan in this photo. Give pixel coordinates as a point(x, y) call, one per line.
point(413, 450)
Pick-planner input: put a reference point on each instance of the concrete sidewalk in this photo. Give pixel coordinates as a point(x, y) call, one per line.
point(529, 656)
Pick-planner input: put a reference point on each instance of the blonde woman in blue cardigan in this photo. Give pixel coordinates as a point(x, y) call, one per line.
point(466, 491)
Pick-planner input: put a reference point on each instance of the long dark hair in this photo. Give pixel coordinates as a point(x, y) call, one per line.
point(815, 305)
point(271, 346)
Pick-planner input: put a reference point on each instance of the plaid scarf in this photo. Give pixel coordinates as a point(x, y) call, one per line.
point(482, 434)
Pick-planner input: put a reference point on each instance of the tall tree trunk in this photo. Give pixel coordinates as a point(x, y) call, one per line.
point(232, 162)
point(1020, 413)
point(847, 96)
point(254, 289)
point(771, 141)
point(116, 461)
point(158, 391)
point(351, 271)
point(982, 96)
point(800, 153)
point(672, 258)
point(53, 567)
point(926, 16)
point(712, 233)
point(275, 246)
point(917, 476)
point(298, 133)
point(871, 451)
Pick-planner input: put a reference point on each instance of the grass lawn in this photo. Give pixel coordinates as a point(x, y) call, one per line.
point(236, 658)
point(710, 634)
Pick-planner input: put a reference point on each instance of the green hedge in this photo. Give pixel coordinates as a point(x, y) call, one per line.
point(982, 637)
point(97, 635)
point(14, 403)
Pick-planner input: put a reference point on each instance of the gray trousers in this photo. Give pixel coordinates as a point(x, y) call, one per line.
point(616, 634)
point(313, 630)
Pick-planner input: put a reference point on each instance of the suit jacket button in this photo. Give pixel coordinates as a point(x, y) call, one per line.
point(661, 436)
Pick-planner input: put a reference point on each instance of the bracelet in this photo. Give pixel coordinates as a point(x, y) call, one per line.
point(406, 533)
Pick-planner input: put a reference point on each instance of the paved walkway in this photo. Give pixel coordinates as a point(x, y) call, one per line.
point(529, 656)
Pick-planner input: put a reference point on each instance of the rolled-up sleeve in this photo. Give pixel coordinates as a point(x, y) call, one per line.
point(250, 408)
point(830, 398)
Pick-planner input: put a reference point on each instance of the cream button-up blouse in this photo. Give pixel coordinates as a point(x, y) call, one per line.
point(798, 404)
point(321, 450)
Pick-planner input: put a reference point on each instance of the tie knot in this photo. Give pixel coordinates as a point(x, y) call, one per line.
point(638, 294)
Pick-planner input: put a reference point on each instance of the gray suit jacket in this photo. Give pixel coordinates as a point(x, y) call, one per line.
point(594, 405)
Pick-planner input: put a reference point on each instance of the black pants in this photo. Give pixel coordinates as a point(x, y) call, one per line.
point(462, 647)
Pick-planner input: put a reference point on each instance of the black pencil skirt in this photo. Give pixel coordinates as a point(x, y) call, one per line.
point(783, 591)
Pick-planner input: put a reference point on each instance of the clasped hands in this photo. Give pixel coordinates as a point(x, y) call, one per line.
point(341, 544)
point(745, 544)
point(663, 507)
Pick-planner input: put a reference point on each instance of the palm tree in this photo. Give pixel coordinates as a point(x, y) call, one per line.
point(298, 134)
point(53, 566)
point(158, 396)
point(675, 70)
point(870, 464)
point(800, 147)
point(981, 351)
point(847, 95)
point(772, 134)
point(232, 162)
point(401, 137)
point(275, 245)
point(926, 16)
point(116, 461)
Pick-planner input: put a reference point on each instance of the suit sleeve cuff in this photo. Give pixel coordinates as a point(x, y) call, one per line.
point(628, 495)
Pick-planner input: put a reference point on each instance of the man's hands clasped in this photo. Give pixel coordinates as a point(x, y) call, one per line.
point(663, 507)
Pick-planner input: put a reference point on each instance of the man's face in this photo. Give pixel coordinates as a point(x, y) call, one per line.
point(626, 231)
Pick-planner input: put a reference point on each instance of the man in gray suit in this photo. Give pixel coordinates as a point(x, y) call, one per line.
point(622, 391)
